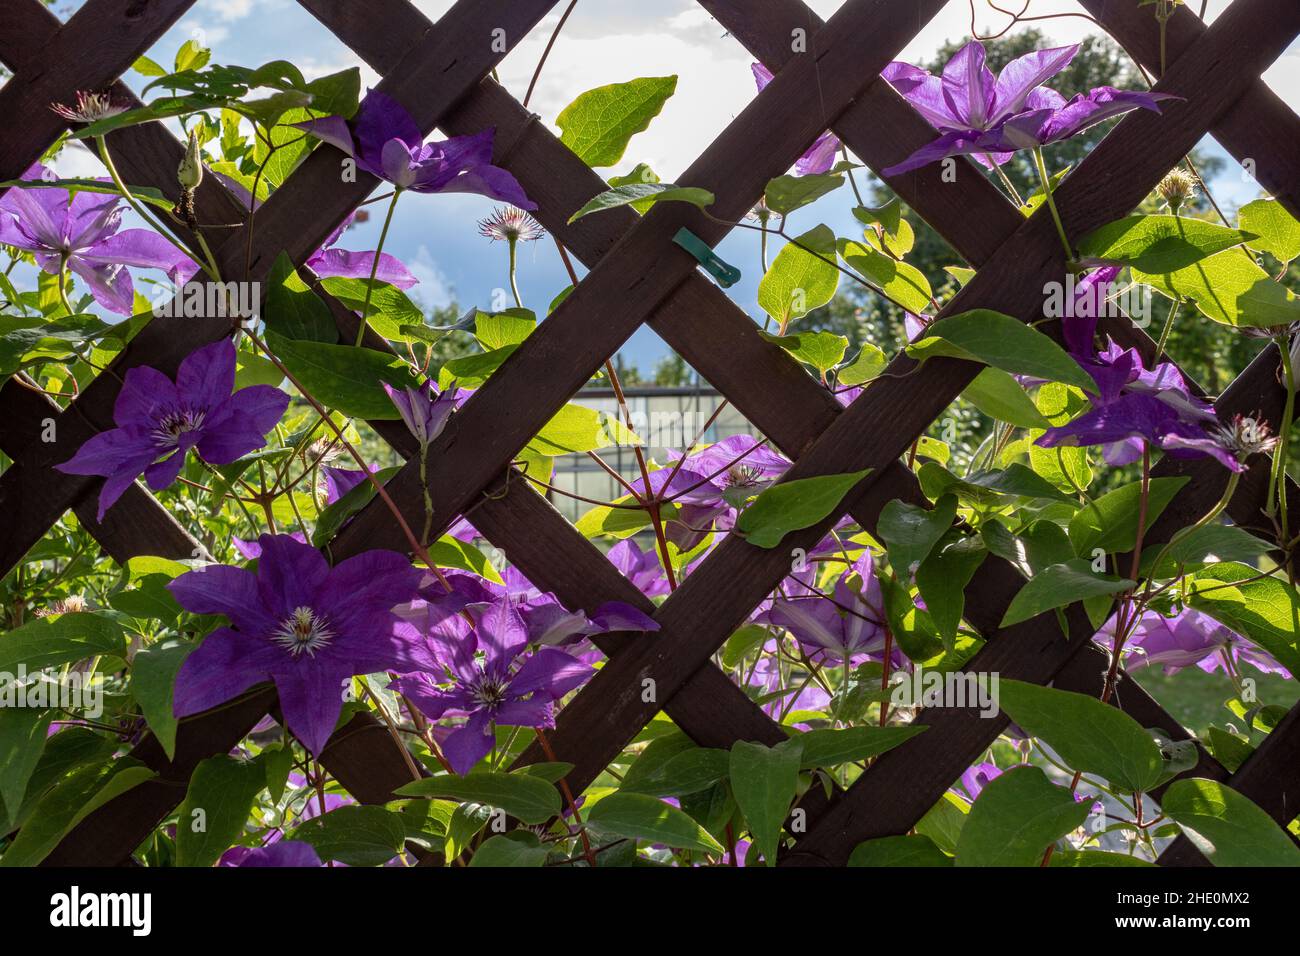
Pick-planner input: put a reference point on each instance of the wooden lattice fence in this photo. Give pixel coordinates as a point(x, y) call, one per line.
point(440, 72)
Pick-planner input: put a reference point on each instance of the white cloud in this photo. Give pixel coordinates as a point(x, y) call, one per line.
point(435, 288)
point(230, 9)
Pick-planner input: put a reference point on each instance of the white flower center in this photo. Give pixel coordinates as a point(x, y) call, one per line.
point(490, 692)
point(176, 423)
point(303, 630)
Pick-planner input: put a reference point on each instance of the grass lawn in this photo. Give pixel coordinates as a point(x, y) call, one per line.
point(1197, 699)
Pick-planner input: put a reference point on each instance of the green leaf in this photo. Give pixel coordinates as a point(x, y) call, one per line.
point(830, 748)
point(822, 350)
point(643, 196)
point(355, 835)
point(336, 94)
point(1265, 610)
point(23, 732)
point(523, 797)
point(24, 340)
point(785, 194)
point(913, 850)
point(764, 781)
point(791, 505)
point(911, 532)
point(1227, 827)
point(942, 579)
point(471, 371)
point(192, 56)
point(1111, 521)
point(1088, 735)
point(998, 395)
point(147, 67)
point(148, 601)
point(509, 850)
point(294, 311)
point(1276, 230)
point(1016, 818)
point(69, 801)
point(687, 772)
point(343, 377)
point(905, 284)
point(390, 312)
point(153, 676)
point(336, 513)
point(576, 429)
point(1230, 289)
point(599, 123)
point(640, 817)
point(620, 522)
point(641, 173)
point(1208, 544)
point(982, 335)
point(800, 280)
point(65, 639)
point(870, 362)
point(1157, 244)
point(1058, 586)
point(216, 808)
point(497, 330)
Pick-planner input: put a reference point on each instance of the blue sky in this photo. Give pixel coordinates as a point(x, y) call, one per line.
point(605, 41)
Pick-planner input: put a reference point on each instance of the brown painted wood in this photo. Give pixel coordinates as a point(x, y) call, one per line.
point(89, 52)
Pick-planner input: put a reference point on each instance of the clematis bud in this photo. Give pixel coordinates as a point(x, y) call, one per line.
point(190, 172)
point(1176, 188)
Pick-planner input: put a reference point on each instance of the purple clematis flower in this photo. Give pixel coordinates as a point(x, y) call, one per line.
point(976, 778)
point(820, 157)
point(328, 261)
point(711, 484)
point(642, 568)
point(852, 626)
point(281, 853)
point(1188, 638)
point(549, 622)
point(81, 230)
point(386, 142)
point(493, 681)
point(425, 410)
point(301, 624)
point(1134, 405)
point(339, 481)
point(159, 421)
point(990, 118)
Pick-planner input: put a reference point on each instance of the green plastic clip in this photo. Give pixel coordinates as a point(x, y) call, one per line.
point(727, 275)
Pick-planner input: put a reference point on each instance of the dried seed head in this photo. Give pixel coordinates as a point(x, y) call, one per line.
point(510, 225)
point(90, 107)
point(190, 172)
point(72, 604)
point(1246, 436)
point(1176, 188)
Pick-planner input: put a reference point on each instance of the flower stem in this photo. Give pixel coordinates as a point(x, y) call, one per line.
point(1169, 325)
point(514, 285)
point(140, 210)
point(1046, 180)
point(374, 268)
point(63, 283)
point(1277, 474)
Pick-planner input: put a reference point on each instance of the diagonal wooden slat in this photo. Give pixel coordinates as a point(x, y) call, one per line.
point(89, 52)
